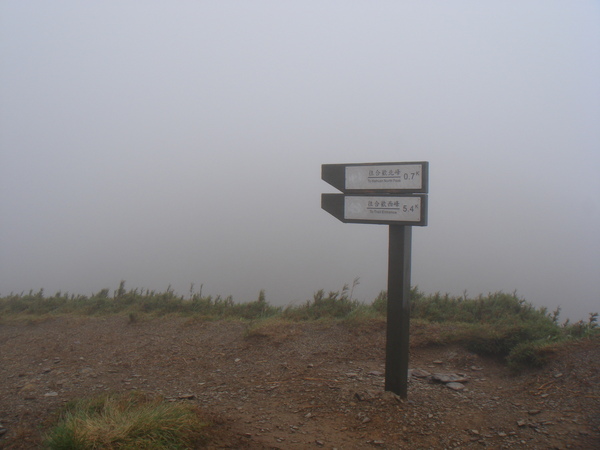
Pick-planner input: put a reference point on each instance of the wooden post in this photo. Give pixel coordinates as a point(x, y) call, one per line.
point(398, 310)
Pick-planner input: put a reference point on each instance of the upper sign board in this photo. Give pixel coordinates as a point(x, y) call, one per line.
point(389, 178)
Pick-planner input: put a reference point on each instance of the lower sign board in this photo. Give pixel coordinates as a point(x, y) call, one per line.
point(377, 209)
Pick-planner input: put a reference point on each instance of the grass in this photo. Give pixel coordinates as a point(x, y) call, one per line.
point(127, 421)
point(498, 324)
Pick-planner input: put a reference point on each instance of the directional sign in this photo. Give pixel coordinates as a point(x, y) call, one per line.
point(389, 178)
point(372, 193)
point(377, 209)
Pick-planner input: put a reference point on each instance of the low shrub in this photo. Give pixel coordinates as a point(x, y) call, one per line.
point(336, 305)
point(531, 354)
point(498, 324)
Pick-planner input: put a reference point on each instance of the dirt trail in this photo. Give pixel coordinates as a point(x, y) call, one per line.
point(295, 386)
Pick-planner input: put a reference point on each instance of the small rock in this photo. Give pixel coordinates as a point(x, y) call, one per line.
point(521, 423)
point(455, 386)
point(534, 412)
point(29, 387)
point(449, 378)
point(365, 396)
point(419, 373)
point(51, 394)
point(389, 395)
point(186, 397)
point(438, 361)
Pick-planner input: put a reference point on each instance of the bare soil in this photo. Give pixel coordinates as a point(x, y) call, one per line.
point(298, 386)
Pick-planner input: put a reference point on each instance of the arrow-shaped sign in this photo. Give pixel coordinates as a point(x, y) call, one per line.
point(377, 209)
point(388, 178)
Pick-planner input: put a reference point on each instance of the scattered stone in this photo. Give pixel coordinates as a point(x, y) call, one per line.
point(449, 378)
point(419, 373)
point(51, 394)
point(89, 372)
point(376, 373)
point(456, 386)
point(28, 388)
point(186, 397)
point(521, 423)
point(558, 375)
point(534, 412)
point(365, 396)
point(438, 361)
point(389, 395)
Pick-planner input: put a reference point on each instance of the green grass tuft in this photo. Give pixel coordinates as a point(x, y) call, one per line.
point(127, 421)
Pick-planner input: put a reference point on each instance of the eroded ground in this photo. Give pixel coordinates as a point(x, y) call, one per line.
point(295, 386)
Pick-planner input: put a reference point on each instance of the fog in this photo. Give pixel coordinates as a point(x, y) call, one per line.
point(171, 143)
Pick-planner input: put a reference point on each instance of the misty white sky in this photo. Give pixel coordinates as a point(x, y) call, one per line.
point(169, 143)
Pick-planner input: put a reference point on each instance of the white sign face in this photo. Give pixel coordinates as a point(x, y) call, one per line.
point(386, 208)
point(391, 176)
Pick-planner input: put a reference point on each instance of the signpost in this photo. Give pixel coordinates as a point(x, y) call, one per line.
point(393, 194)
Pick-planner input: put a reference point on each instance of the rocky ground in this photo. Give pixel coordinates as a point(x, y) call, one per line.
point(298, 386)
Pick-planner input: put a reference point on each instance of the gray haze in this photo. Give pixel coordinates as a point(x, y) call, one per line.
point(169, 143)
